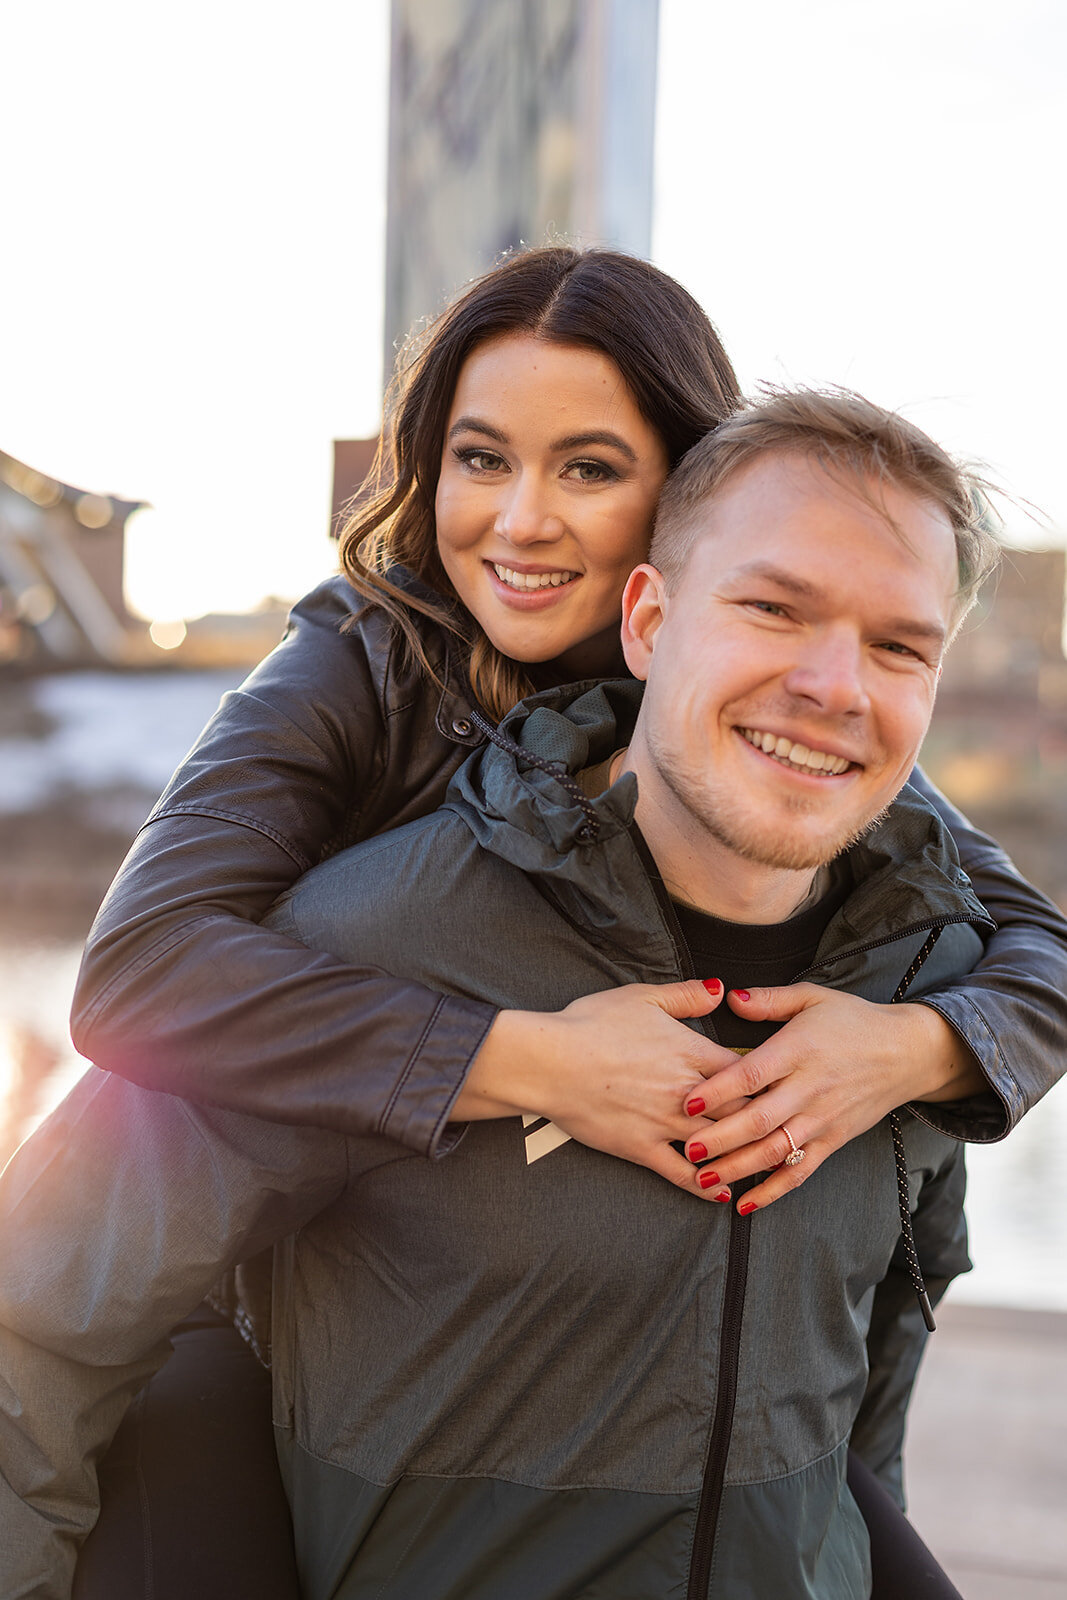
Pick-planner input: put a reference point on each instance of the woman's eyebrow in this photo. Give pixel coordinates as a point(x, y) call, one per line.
point(579, 441)
point(476, 425)
point(570, 441)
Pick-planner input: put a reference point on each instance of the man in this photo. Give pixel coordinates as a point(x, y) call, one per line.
point(529, 1370)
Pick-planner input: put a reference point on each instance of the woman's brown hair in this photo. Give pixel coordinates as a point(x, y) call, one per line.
point(628, 310)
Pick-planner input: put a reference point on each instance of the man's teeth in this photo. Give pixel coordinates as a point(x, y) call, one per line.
point(532, 580)
point(796, 755)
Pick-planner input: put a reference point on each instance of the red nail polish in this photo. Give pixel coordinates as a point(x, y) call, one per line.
point(742, 994)
point(712, 985)
point(722, 1197)
point(746, 1206)
point(698, 1152)
point(694, 1107)
point(706, 1179)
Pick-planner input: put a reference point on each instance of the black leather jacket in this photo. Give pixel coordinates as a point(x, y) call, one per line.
point(336, 737)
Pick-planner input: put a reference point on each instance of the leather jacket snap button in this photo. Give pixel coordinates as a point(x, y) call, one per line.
point(462, 728)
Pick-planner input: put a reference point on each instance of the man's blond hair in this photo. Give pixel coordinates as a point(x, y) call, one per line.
point(856, 442)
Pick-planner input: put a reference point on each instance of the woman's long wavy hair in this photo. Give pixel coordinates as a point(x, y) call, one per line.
point(641, 319)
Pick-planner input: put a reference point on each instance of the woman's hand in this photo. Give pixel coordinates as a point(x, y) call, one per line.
point(614, 1070)
point(837, 1067)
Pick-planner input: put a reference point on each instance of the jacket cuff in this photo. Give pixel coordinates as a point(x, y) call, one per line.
point(419, 1108)
point(981, 1118)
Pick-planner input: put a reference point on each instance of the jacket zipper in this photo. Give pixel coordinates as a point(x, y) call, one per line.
point(733, 1302)
point(927, 926)
point(713, 1476)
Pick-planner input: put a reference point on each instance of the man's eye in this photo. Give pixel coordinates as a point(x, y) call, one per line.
point(480, 460)
point(767, 608)
point(895, 648)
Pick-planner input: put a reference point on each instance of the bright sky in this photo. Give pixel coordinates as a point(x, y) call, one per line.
point(193, 223)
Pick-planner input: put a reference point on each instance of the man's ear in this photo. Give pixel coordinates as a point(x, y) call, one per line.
point(644, 606)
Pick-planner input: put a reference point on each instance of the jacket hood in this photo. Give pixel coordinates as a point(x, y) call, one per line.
point(585, 853)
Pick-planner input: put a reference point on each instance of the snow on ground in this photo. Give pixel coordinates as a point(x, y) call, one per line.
point(110, 729)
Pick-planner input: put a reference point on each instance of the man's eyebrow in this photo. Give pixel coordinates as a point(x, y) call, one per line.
point(792, 583)
point(570, 441)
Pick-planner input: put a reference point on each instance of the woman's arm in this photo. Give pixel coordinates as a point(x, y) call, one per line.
point(182, 990)
point(1011, 1011)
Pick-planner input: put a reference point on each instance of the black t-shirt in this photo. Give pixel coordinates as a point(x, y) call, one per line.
point(746, 955)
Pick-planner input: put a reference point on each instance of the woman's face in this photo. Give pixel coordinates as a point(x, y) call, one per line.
point(549, 482)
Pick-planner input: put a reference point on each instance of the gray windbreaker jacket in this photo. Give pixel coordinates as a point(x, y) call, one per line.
point(505, 1372)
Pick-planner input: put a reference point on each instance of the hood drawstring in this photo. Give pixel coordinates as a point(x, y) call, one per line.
point(901, 1158)
point(589, 832)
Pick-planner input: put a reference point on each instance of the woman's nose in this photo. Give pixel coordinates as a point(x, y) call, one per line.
point(829, 673)
point(524, 515)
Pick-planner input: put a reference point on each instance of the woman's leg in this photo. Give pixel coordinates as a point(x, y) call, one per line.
point(902, 1568)
point(192, 1501)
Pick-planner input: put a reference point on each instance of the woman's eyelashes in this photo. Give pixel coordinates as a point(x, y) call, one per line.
point(485, 462)
point(481, 460)
point(590, 472)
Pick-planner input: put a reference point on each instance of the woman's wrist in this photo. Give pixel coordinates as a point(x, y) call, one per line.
point(502, 1077)
point(950, 1069)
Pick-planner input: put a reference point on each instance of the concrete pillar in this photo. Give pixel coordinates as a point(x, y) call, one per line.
point(512, 121)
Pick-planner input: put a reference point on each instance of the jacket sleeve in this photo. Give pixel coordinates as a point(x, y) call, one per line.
point(897, 1335)
point(115, 1218)
point(180, 988)
point(1011, 1009)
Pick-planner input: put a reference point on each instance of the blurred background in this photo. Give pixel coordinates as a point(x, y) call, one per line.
point(221, 220)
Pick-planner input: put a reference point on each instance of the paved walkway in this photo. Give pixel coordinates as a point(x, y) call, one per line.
point(987, 1452)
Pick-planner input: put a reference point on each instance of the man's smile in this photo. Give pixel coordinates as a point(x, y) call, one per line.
point(791, 753)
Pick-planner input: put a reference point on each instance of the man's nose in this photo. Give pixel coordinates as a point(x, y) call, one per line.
point(829, 672)
point(525, 515)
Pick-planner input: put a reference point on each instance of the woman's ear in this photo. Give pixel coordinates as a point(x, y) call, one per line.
point(644, 606)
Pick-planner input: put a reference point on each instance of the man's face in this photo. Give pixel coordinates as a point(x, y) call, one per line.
point(791, 672)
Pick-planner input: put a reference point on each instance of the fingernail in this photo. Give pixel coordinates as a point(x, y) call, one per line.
point(722, 1197)
point(742, 994)
point(706, 1179)
point(745, 1207)
point(698, 1152)
point(712, 985)
point(693, 1107)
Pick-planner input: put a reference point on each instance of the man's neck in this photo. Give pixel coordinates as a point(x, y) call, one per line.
point(702, 871)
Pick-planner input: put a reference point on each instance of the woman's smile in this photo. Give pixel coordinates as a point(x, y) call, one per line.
point(549, 481)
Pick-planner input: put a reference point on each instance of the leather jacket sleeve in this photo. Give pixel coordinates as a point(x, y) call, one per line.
point(181, 990)
point(1011, 1010)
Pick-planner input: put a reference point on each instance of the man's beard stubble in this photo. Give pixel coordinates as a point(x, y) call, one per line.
point(728, 825)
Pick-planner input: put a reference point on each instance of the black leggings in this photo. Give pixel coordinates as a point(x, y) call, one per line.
point(193, 1506)
point(192, 1501)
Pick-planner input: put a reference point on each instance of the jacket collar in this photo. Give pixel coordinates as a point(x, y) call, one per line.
point(905, 872)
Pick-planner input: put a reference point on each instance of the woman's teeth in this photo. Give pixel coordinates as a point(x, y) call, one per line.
point(796, 755)
point(532, 580)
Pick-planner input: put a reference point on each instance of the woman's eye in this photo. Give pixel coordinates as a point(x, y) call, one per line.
point(480, 460)
point(589, 472)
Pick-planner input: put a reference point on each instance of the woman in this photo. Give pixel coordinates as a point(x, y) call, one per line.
point(350, 728)
point(340, 736)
